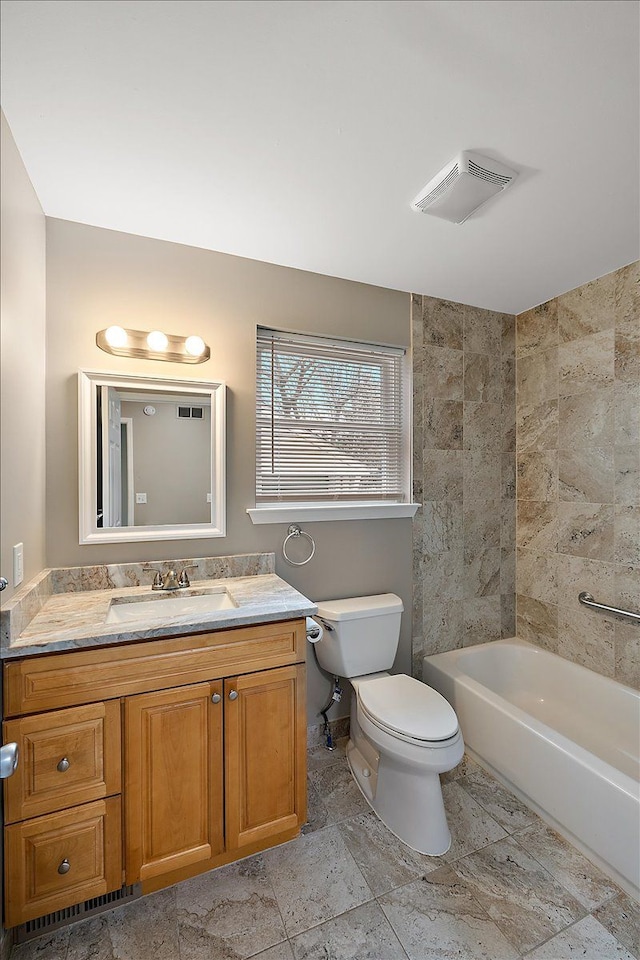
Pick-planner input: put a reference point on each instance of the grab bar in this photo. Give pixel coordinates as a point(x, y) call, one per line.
point(588, 601)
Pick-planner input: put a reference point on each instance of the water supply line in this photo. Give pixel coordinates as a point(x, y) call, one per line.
point(315, 632)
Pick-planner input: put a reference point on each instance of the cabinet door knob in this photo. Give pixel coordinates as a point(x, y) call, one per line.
point(216, 698)
point(64, 867)
point(233, 695)
point(64, 765)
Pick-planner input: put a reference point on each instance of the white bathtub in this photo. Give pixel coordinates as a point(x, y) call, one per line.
point(564, 738)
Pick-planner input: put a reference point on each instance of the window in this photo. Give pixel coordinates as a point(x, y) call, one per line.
point(329, 422)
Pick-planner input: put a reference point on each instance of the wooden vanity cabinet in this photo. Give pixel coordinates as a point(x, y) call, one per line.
point(208, 732)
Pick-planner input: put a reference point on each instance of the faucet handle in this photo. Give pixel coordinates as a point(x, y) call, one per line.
point(184, 578)
point(157, 580)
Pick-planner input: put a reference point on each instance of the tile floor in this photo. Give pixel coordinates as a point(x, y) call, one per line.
point(349, 890)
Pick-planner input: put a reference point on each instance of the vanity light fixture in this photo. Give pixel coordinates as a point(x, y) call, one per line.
point(152, 346)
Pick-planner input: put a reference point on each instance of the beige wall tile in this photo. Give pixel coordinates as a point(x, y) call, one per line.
point(443, 322)
point(627, 652)
point(587, 309)
point(537, 526)
point(586, 364)
point(482, 476)
point(537, 575)
point(442, 474)
point(595, 427)
point(482, 377)
point(482, 330)
point(443, 373)
point(537, 425)
point(443, 626)
point(627, 294)
point(537, 622)
point(537, 377)
point(627, 534)
point(587, 419)
point(482, 426)
point(442, 428)
point(627, 359)
point(586, 530)
point(586, 473)
point(537, 329)
point(537, 472)
point(482, 620)
point(627, 412)
point(627, 474)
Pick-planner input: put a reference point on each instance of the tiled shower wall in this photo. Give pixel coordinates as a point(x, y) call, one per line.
point(464, 476)
point(578, 463)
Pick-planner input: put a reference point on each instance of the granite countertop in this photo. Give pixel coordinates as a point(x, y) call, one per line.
point(74, 620)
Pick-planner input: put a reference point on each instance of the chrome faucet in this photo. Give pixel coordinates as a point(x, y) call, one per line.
point(169, 580)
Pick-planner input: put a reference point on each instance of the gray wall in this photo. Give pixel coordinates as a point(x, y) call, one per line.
point(22, 451)
point(22, 352)
point(99, 277)
point(464, 475)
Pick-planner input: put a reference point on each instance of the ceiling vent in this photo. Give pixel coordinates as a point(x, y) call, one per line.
point(465, 184)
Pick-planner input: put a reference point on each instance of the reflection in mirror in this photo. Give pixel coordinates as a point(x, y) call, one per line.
point(151, 458)
point(154, 457)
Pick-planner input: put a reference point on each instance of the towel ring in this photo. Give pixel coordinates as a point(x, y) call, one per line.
point(295, 531)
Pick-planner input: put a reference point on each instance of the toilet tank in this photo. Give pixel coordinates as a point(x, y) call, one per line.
point(361, 634)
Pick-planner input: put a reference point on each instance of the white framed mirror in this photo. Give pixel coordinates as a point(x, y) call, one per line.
point(151, 455)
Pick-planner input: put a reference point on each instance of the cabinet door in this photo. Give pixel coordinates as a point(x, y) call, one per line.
point(173, 779)
point(265, 745)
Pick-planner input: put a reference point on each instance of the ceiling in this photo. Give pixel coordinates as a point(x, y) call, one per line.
point(298, 132)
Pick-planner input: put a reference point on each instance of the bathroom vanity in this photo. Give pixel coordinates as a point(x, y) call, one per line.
point(148, 759)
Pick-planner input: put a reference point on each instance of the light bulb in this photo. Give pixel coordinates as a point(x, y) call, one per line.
point(157, 341)
point(195, 346)
point(116, 336)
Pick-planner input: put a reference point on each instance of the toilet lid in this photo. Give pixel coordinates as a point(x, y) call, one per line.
point(404, 705)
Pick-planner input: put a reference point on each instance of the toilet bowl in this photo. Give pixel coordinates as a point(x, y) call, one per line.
point(403, 733)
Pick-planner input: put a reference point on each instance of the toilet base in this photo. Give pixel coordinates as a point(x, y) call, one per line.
point(406, 796)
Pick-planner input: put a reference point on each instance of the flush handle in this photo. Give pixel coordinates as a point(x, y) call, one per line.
point(63, 765)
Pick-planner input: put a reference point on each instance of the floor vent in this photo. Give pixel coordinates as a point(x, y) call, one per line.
point(62, 918)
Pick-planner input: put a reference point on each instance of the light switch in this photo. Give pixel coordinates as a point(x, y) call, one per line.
point(18, 564)
point(209, 498)
point(141, 498)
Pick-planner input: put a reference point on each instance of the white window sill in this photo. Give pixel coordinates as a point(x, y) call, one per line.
point(290, 513)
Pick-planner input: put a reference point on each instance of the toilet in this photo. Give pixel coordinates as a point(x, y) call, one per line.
point(403, 733)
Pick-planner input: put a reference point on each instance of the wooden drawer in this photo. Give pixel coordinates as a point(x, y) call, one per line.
point(66, 757)
point(67, 679)
point(88, 838)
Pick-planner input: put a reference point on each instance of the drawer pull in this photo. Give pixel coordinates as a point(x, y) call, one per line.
point(64, 867)
point(233, 695)
point(64, 765)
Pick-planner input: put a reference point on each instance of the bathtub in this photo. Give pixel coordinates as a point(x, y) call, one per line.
point(563, 738)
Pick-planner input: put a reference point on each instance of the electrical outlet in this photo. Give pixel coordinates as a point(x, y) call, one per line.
point(18, 564)
point(141, 498)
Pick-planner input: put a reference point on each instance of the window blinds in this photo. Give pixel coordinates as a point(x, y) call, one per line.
point(328, 420)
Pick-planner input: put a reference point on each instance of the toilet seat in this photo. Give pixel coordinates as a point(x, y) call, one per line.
point(408, 709)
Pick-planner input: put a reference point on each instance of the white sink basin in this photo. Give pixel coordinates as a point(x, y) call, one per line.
point(163, 607)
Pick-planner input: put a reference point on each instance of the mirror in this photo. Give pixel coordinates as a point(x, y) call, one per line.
point(151, 458)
